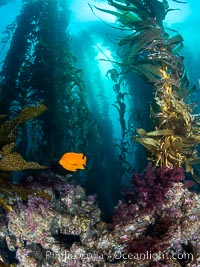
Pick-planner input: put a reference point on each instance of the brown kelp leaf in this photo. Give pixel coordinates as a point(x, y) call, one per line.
point(163, 132)
point(141, 40)
point(182, 109)
point(6, 150)
point(4, 204)
point(29, 113)
point(150, 71)
point(188, 168)
point(141, 131)
point(147, 142)
point(126, 18)
point(14, 161)
point(113, 75)
point(8, 128)
point(175, 40)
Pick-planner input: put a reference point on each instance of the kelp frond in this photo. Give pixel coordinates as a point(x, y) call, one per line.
point(176, 136)
point(181, 2)
point(8, 132)
point(11, 160)
point(169, 150)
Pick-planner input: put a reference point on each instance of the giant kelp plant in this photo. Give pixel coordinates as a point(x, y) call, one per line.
point(153, 52)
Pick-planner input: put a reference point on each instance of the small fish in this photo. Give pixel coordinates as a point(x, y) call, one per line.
point(73, 161)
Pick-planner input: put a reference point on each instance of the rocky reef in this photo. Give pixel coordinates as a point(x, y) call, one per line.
point(67, 230)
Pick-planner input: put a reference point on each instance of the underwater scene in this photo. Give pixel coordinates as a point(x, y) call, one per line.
point(99, 133)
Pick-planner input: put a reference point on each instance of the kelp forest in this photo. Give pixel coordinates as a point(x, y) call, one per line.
point(99, 137)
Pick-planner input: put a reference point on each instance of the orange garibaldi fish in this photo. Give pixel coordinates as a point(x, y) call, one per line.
point(73, 161)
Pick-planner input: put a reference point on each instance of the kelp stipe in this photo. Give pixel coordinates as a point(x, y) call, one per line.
point(123, 144)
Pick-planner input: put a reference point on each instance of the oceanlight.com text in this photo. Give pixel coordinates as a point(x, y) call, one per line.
point(155, 256)
point(66, 256)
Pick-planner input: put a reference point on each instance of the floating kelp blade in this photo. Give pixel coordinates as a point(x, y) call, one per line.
point(181, 2)
point(126, 18)
point(30, 113)
point(8, 132)
point(13, 161)
point(156, 133)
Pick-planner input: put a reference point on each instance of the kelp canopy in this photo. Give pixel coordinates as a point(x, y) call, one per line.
point(154, 53)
